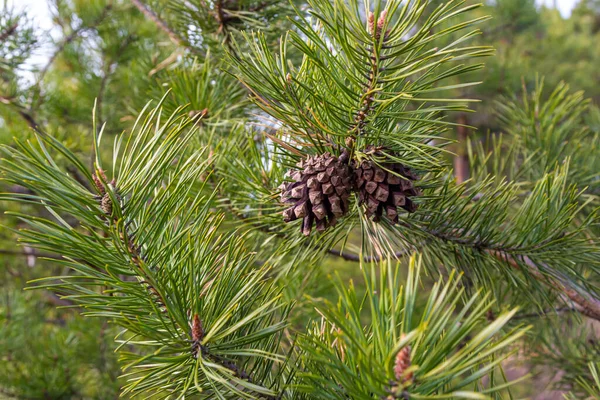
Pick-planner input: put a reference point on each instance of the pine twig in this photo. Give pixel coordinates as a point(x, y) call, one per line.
point(198, 349)
point(151, 15)
point(367, 107)
point(223, 19)
point(586, 305)
point(127, 239)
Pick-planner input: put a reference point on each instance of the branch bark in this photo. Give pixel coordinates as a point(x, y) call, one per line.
point(586, 305)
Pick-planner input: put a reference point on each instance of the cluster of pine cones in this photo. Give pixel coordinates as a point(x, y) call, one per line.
point(320, 189)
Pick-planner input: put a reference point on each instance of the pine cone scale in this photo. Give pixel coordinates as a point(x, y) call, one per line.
point(319, 192)
point(385, 187)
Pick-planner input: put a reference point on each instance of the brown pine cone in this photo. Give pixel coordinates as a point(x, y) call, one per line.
point(385, 187)
point(106, 203)
point(319, 192)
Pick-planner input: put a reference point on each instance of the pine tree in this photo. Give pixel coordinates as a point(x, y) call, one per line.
point(228, 154)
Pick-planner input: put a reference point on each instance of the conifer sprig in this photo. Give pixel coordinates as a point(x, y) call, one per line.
point(542, 130)
point(444, 352)
point(155, 262)
point(487, 229)
point(591, 387)
point(363, 80)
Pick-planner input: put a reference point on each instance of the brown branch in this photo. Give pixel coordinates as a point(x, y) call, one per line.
point(151, 15)
point(586, 305)
point(224, 19)
point(367, 107)
point(221, 18)
point(126, 239)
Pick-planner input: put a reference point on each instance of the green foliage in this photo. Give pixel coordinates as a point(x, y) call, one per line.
point(552, 132)
point(17, 39)
point(66, 357)
point(156, 251)
point(567, 344)
point(209, 93)
point(592, 388)
point(517, 14)
point(207, 24)
point(176, 236)
point(360, 79)
point(451, 348)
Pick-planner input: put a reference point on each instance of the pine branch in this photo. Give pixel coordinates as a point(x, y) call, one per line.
point(237, 371)
point(368, 95)
point(145, 263)
point(586, 305)
point(349, 65)
point(162, 25)
point(382, 346)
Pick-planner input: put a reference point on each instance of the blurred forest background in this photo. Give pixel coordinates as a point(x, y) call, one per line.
point(109, 53)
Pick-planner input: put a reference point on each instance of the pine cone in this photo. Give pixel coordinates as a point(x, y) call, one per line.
point(402, 364)
point(319, 192)
point(106, 203)
point(381, 190)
